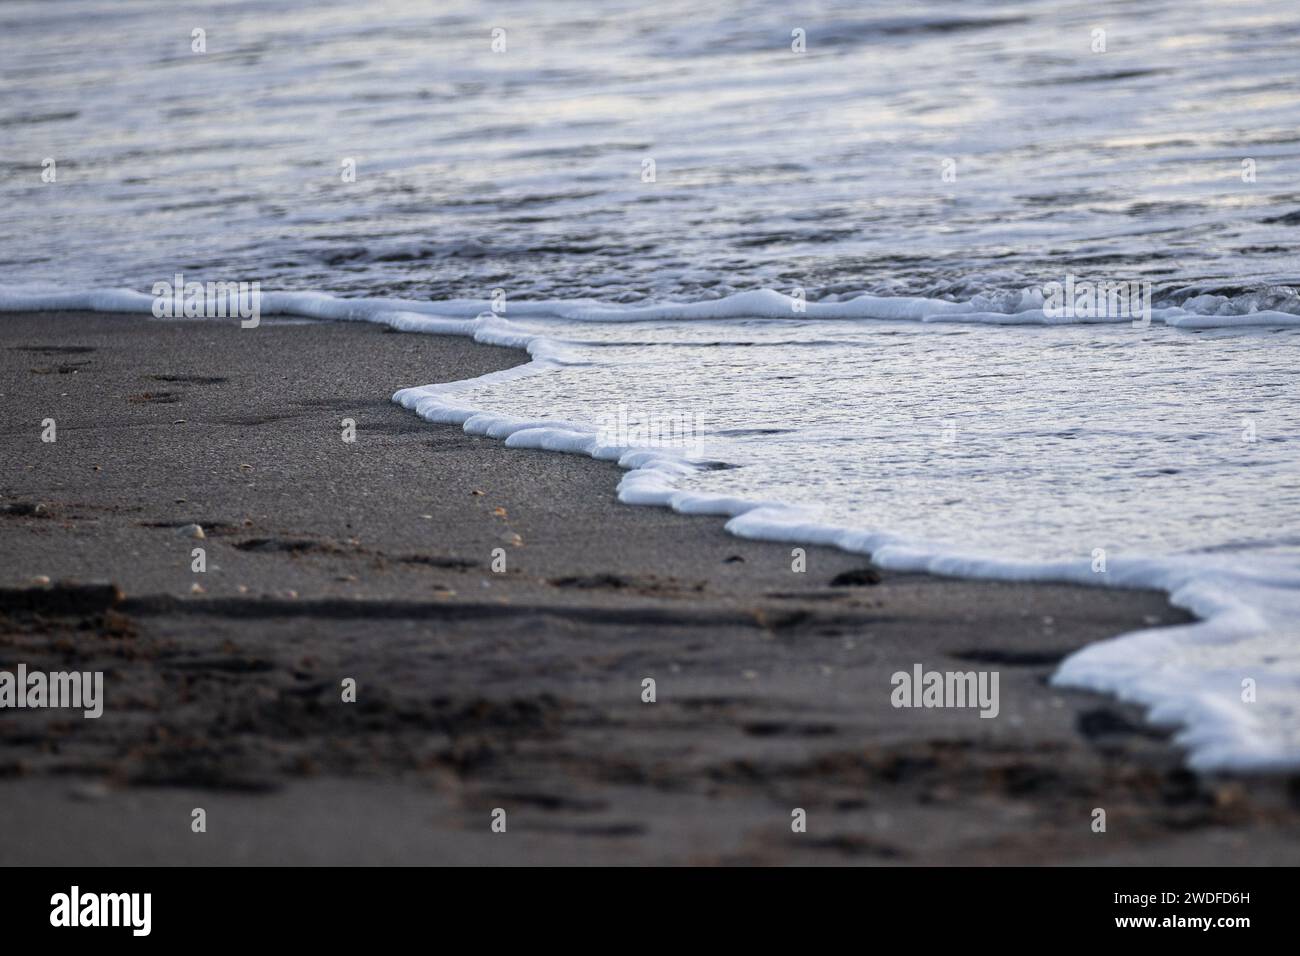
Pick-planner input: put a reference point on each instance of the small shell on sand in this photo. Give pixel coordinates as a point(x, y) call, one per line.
point(191, 531)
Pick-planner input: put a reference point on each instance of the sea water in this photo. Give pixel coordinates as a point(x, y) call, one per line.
point(832, 260)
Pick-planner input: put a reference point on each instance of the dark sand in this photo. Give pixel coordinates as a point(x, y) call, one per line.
point(520, 690)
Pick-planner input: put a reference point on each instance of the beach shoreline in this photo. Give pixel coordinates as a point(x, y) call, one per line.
point(372, 560)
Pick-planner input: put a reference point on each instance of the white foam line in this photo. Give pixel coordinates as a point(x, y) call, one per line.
point(1188, 676)
point(1159, 668)
point(759, 304)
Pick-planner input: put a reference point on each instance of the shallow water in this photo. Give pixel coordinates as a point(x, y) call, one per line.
point(1039, 443)
point(523, 169)
point(957, 444)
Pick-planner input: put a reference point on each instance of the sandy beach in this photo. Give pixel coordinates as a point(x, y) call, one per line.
point(521, 690)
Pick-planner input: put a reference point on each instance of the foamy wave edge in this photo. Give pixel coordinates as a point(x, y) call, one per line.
point(1152, 667)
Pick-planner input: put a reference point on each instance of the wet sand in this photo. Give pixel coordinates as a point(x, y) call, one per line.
point(521, 690)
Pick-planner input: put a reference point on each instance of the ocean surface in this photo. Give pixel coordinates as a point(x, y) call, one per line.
point(830, 264)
